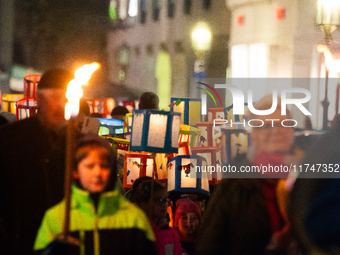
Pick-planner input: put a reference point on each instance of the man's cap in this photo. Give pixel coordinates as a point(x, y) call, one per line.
point(55, 79)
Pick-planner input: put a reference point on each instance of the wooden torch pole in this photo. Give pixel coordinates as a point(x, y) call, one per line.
point(70, 144)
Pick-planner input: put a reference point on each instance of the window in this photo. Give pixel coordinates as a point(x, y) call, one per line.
point(133, 8)
point(113, 10)
point(187, 7)
point(171, 8)
point(143, 11)
point(122, 9)
point(156, 5)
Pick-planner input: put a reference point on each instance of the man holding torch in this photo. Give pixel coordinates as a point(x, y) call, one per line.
point(32, 162)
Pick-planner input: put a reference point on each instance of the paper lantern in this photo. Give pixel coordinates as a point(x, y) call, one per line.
point(120, 146)
point(235, 141)
point(161, 160)
point(214, 162)
point(189, 134)
point(190, 108)
point(155, 131)
point(30, 84)
point(102, 106)
point(128, 120)
point(184, 149)
point(228, 111)
point(216, 113)
point(186, 174)
point(210, 133)
point(26, 107)
point(8, 102)
point(137, 164)
point(110, 126)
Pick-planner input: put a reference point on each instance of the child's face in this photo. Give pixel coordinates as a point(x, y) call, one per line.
point(187, 224)
point(93, 171)
point(159, 204)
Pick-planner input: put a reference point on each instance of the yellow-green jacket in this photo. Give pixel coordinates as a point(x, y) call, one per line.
point(116, 227)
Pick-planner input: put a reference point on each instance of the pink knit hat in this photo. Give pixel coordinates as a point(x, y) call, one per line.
point(184, 206)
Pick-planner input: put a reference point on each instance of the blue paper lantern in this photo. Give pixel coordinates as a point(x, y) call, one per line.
point(155, 131)
point(190, 108)
point(187, 174)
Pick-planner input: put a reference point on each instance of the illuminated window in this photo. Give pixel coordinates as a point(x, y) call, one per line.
point(133, 8)
point(171, 8)
point(113, 10)
point(156, 6)
point(249, 61)
point(143, 11)
point(187, 7)
point(122, 9)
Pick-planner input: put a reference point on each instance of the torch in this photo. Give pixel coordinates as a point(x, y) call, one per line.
point(73, 94)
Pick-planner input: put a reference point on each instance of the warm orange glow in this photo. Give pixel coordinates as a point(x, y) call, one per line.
point(74, 91)
point(332, 65)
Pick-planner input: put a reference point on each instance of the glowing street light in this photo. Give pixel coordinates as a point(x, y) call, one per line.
point(328, 17)
point(201, 39)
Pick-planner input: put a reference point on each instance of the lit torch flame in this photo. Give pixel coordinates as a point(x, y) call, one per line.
point(74, 91)
point(331, 64)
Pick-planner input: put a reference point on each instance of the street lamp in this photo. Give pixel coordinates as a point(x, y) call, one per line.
point(328, 19)
point(201, 39)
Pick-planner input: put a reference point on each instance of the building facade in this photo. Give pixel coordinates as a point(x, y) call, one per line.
point(150, 48)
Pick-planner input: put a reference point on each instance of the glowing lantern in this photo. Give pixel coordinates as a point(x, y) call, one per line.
point(189, 134)
point(214, 162)
point(26, 107)
point(137, 164)
point(216, 113)
point(184, 149)
point(155, 131)
point(128, 120)
point(228, 111)
point(186, 174)
point(120, 146)
point(235, 141)
point(190, 108)
point(210, 133)
point(30, 84)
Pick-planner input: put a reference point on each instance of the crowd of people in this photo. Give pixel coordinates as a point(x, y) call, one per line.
point(274, 213)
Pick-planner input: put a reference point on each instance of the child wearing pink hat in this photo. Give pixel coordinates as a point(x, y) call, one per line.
point(187, 218)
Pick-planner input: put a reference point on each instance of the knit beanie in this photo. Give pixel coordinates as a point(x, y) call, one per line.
point(184, 206)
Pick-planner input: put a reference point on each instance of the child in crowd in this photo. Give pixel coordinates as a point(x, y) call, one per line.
point(153, 199)
point(187, 218)
point(102, 221)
